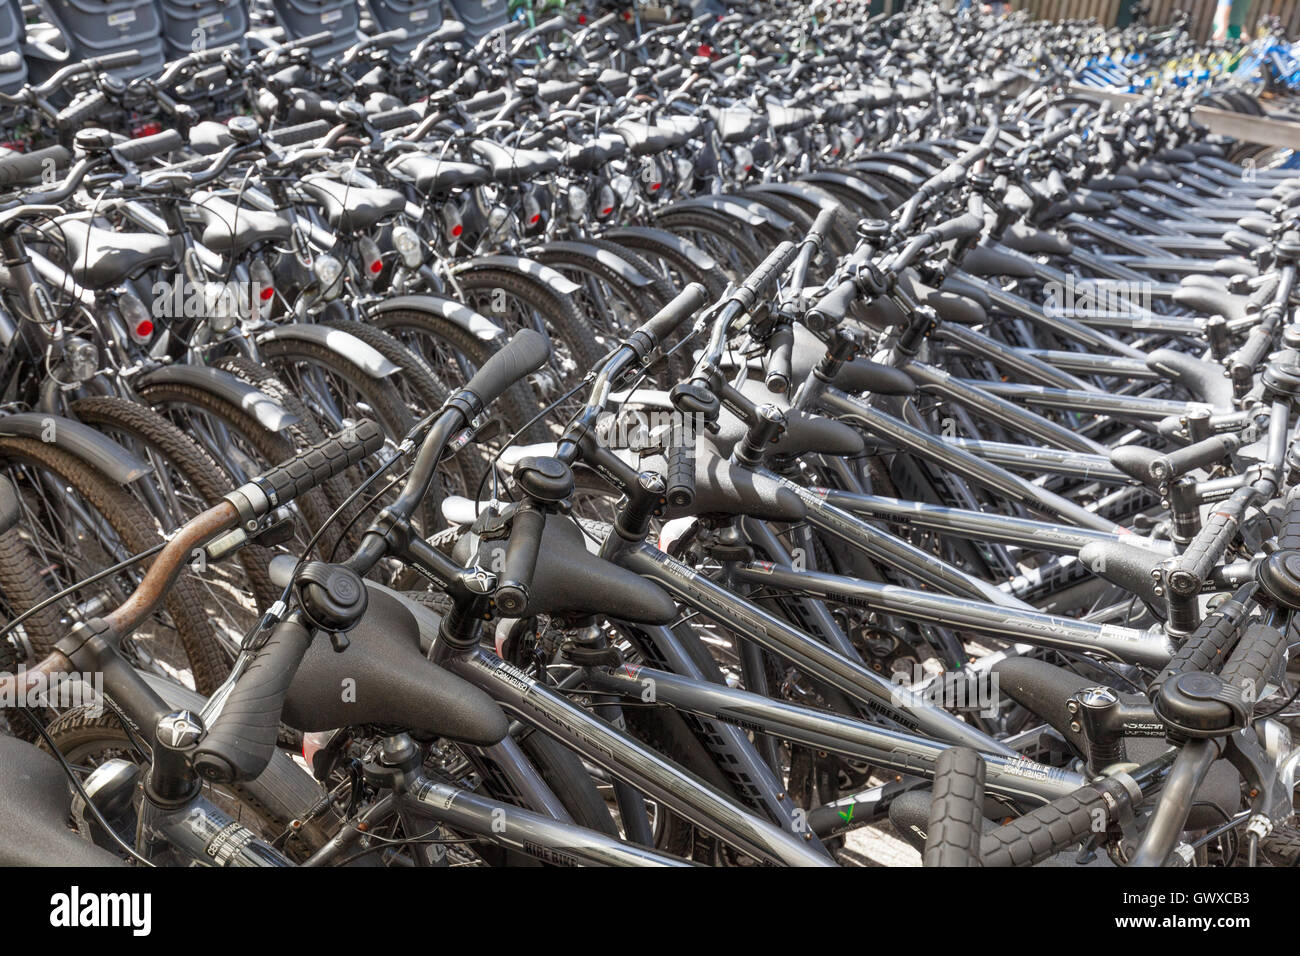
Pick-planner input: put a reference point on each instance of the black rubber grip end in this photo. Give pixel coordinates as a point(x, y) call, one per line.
point(239, 744)
point(680, 481)
point(526, 352)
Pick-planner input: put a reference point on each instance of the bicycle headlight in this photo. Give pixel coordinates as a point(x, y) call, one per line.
point(407, 244)
point(578, 199)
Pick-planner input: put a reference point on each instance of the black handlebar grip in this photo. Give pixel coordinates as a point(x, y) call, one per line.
point(821, 227)
point(311, 40)
point(1204, 649)
point(389, 38)
point(668, 75)
point(391, 119)
point(956, 824)
point(516, 578)
point(765, 276)
point(779, 370)
point(78, 114)
point(114, 61)
point(830, 310)
point(213, 54)
point(685, 304)
point(680, 480)
point(1209, 545)
point(319, 463)
point(146, 147)
point(240, 742)
point(21, 167)
point(1048, 830)
point(526, 352)
point(1255, 658)
point(1288, 535)
point(967, 224)
point(287, 136)
point(722, 63)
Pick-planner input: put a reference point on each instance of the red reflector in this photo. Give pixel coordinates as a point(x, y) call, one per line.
point(748, 168)
point(537, 217)
point(607, 210)
point(267, 293)
point(144, 329)
point(704, 50)
point(654, 187)
point(582, 18)
point(148, 129)
point(457, 229)
point(377, 266)
point(627, 15)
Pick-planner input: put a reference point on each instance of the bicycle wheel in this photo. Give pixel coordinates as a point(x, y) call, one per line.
point(78, 522)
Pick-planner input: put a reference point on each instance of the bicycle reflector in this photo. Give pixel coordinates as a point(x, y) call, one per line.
point(532, 210)
point(139, 324)
point(604, 202)
point(372, 261)
point(262, 284)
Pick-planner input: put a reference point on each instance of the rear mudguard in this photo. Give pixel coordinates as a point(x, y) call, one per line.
point(337, 341)
point(748, 211)
point(663, 237)
point(528, 267)
point(457, 313)
point(855, 183)
point(268, 412)
point(79, 440)
point(624, 269)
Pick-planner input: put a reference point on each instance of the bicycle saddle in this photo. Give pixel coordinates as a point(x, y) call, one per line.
point(432, 175)
point(855, 377)
point(787, 119)
point(735, 124)
point(514, 165)
point(228, 228)
point(35, 806)
point(1112, 183)
point(570, 580)
point(101, 258)
point(1260, 225)
point(804, 433)
point(595, 152)
point(643, 138)
point(722, 488)
point(352, 208)
point(1212, 300)
point(983, 261)
point(210, 137)
point(1205, 380)
point(392, 682)
point(1036, 242)
point(688, 127)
